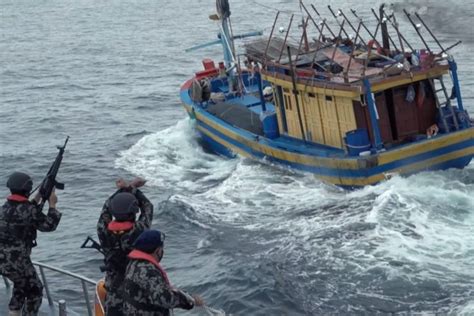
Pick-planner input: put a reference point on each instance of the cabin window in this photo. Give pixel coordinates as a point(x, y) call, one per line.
point(328, 98)
point(286, 90)
point(288, 102)
point(311, 95)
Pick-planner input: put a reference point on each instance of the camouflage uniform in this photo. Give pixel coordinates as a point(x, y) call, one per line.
point(19, 222)
point(117, 246)
point(147, 292)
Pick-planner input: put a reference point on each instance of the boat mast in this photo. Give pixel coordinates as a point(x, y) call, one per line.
point(223, 11)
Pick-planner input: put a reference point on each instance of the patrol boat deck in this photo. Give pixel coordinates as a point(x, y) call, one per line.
point(54, 302)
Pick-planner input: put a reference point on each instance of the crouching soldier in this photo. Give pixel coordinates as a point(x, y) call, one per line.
point(147, 289)
point(20, 220)
point(117, 230)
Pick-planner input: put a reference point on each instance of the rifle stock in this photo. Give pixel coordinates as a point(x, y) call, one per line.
point(90, 243)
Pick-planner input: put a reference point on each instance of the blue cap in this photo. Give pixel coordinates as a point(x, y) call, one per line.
point(149, 240)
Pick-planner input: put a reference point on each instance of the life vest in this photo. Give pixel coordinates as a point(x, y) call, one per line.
point(17, 198)
point(140, 255)
point(116, 258)
point(119, 227)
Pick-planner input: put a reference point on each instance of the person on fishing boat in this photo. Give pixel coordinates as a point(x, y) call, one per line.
point(20, 219)
point(117, 230)
point(147, 289)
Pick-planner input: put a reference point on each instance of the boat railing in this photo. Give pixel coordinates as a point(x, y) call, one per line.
point(85, 282)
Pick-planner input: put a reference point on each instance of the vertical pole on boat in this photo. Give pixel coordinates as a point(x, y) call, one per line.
point(270, 39)
point(295, 93)
point(258, 77)
point(386, 38)
point(223, 11)
point(305, 26)
point(453, 67)
point(303, 38)
point(384, 28)
point(416, 27)
point(351, 56)
point(286, 38)
point(373, 115)
point(62, 308)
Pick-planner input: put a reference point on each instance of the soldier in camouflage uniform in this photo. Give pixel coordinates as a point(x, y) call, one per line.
point(19, 221)
point(147, 290)
point(117, 229)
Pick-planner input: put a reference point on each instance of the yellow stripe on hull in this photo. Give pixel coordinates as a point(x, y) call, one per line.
point(343, 163)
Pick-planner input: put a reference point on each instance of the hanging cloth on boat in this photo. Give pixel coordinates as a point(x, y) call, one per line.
point(223, 9)
point(421, 95)
point(411, 94)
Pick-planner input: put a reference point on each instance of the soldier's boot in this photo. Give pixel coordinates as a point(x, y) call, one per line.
point(14, 313)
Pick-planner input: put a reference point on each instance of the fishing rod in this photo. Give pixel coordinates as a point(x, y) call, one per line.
point(416, 27)
point(380, 20)
point(401, 35)
point(335, 17)
point(329, 29)
point(352, 26)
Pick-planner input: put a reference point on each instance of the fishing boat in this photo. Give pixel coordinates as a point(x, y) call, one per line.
point(350, 104)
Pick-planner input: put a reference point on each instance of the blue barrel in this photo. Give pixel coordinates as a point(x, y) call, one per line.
point(357, 141)
point(270, 124)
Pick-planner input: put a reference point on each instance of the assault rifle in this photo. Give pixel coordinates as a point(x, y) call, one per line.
point(90, 243)
point(49, 183)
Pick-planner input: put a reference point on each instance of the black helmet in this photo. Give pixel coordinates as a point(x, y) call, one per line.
point(124, 206)
point(20, 183)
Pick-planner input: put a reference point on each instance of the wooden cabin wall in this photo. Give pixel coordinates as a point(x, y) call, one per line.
point(427, 111)
point(409, 118)
point(362, 117)
point(291, 113)
point(325, 118)
point(406, 114)
point(313, 118)
point(279, 106)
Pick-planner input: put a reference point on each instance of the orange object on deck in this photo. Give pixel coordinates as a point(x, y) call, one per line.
point(100, 293)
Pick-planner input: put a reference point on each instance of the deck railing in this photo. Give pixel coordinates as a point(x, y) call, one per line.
point(85, 282)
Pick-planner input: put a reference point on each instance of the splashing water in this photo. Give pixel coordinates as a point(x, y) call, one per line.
point(406, 243)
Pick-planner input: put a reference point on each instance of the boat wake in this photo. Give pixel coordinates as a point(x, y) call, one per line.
point(405, 244)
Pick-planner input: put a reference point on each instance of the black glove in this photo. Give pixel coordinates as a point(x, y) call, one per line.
point(186, 300)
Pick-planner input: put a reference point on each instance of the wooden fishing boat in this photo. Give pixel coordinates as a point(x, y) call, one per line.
point(351, 109)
